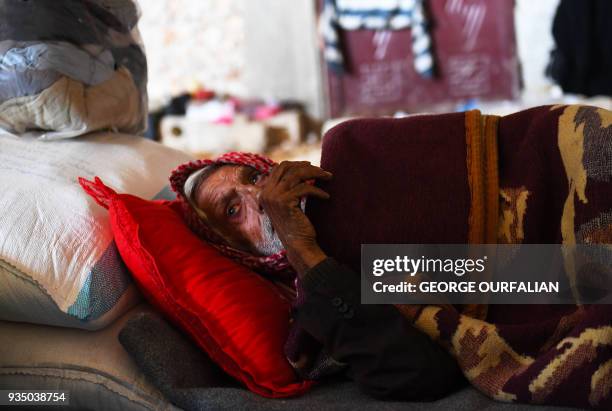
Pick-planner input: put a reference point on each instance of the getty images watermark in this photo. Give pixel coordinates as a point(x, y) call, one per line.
point(486, 274)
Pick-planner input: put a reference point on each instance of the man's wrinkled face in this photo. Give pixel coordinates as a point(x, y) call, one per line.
point(229, 197)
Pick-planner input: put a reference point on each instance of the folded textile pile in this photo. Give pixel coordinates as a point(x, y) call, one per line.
point(540, 176)
point(71, 67)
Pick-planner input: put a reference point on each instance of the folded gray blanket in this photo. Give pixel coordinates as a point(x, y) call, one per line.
point(169, 359)
point(190, 380)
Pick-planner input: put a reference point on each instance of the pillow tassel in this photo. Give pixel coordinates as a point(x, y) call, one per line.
point(101, 193)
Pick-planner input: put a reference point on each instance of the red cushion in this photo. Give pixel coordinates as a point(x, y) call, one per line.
point(238, 317)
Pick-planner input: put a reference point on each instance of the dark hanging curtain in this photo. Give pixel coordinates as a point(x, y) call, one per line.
point(581, 63)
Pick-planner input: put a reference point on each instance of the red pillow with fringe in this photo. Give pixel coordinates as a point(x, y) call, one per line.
point(235, 315)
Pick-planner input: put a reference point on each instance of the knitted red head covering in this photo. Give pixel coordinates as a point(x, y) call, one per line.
point(272, 264)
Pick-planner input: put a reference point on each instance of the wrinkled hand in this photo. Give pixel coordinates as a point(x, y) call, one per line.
point(280, 198)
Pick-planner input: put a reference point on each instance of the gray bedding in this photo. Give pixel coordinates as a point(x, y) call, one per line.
point(190, 380)
point(340, 396)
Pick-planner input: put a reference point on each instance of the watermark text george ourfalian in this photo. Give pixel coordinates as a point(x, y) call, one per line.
point(486, 274)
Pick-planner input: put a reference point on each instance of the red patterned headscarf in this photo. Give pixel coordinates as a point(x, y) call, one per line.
point(273, 264)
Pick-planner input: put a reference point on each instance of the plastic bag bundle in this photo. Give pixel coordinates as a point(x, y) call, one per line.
point(70, 67)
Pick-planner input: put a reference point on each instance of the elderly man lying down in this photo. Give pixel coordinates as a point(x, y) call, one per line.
point(541, 176)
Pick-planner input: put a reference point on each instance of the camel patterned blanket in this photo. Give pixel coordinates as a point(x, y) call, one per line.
point(558, 355)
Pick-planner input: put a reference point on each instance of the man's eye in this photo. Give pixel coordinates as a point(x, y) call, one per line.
point(232, 210)
point(255, 178)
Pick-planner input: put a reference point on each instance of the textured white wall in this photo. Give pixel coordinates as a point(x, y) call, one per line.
point(193, 41)
point(281, 51)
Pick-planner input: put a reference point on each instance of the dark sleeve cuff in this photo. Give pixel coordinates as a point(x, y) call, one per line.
point(331, 297)
point(318, 275)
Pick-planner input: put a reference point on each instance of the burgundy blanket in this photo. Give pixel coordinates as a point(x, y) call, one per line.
point(539, 176)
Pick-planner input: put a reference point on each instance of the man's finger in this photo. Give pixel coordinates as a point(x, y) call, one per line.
point(304, 189)
point(280, 170)
point(277, 172)
point(298, 174)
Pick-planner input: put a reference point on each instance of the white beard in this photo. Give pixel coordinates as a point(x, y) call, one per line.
point(270, 244)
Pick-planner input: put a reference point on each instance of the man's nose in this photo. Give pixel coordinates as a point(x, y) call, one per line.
point(251, 195)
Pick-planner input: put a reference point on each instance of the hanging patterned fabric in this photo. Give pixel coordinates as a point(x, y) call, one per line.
point(375, 15)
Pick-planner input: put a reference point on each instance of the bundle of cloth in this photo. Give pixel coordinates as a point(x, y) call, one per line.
point(69, 67)
point(540, 176)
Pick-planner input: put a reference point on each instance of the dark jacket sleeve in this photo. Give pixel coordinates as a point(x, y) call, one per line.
point(386, 356)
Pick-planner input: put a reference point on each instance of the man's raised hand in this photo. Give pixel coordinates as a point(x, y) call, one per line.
point(280, 199)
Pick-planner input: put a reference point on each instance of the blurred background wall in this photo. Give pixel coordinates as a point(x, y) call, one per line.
point(263, 48)
point(248, 75)
point(190, 42)
point(533, 23)
point(268, 48)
